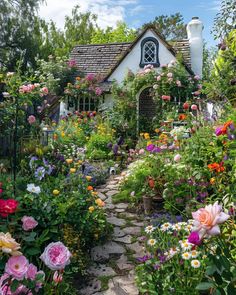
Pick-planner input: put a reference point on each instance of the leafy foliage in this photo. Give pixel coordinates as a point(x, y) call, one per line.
point(171, 27)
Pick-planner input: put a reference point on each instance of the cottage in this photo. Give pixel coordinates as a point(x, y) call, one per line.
point(112, 61)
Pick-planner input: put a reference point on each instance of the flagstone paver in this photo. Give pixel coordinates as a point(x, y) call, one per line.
point(114, 260)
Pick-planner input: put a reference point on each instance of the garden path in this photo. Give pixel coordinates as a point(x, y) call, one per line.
point(112, 272)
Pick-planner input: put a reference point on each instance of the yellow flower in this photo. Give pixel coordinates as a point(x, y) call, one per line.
point(72, 170)
point(9, 245)
point(212, 180)
point(88, 177)
point(69, 161)
point(149, 142)
point(157, 130)
point(56, 192)
point(100, 203)
point(62, 134)
point(94, 193)
point(146, 135)
point(91, 209)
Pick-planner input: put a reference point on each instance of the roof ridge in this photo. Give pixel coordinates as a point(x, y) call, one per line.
point(102, 44)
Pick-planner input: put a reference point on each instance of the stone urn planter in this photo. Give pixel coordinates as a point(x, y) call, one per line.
point(158, 202)
point(147, 204)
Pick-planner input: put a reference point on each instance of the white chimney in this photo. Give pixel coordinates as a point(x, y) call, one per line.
point(194, 31)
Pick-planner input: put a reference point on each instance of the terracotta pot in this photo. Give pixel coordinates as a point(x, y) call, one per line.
point(147, 204)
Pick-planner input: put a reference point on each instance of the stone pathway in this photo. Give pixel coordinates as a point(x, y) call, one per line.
point(112, 272)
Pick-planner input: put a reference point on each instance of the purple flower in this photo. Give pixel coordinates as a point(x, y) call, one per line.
point(40, 173)
point(32, 160)
point(156, 149)
point(150, 147)
point(232, 127)
point(218, 131)
point(162, 258)
point(120, 141)
point(156, 266)
point(144, 258)
point(109, 145)
point(115, 149)
point(194, 238)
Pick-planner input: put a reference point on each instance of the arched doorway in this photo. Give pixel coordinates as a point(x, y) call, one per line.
point(146, 110)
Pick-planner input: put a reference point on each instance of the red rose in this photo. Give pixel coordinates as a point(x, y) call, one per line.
point(7, 207)
point(186, 106)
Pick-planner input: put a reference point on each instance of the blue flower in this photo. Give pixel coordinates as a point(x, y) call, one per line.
point(40, 173)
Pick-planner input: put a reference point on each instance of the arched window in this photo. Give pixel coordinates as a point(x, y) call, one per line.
point(149, 52)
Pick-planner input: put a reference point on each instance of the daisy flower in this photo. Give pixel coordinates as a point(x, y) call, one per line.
point(176, 227)
point(173, 251)
point(195, 263)
point(165, 226)
point(152, 242)
point(186, 246)
point(149, 229)
point(186, 255)
point(194, 253)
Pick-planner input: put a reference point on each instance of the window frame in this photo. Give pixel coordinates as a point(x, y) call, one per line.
point(156, 64)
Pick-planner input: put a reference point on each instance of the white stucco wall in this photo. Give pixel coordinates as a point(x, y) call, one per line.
point(132, 60)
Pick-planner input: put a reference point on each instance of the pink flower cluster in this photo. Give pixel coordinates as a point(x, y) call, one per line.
point(28, 88)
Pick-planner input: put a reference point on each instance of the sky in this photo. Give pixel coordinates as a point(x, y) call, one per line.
point(135, 12)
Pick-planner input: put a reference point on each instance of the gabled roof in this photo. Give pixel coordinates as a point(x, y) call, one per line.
point(105, 58)
point(98, 58)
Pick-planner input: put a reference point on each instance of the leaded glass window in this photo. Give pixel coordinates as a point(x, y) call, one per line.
point(149, 52)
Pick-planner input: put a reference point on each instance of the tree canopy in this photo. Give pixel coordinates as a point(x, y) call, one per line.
point(171, 27)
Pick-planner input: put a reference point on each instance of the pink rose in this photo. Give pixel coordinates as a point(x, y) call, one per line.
point(141, 151)
point(57, 277)
point(178, 83)
point(28, 223)
point(166, 97)
point(17, 267)
point(56, 256)
point(31, 272)
point(197, 77)
point(43, 91)
point(193, 107)
point(31, 119)
point(98, 91)
point(158, 78)
point(169, 75)
point(177, 158)
point(206, 219)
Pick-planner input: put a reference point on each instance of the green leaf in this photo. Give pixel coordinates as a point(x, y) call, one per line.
point(204, 286)
point(33, 251)
point(231, 290)
point(210, 270)
point(14, 285)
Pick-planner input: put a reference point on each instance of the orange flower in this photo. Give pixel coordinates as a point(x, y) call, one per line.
point(78, 78)
point(182, 117)
point(89, 188)
point(216, 167)
point(100, 203)
point(151, 182)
